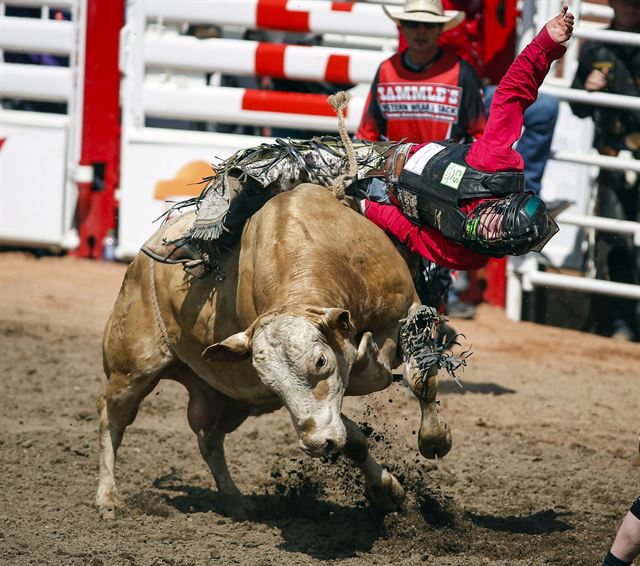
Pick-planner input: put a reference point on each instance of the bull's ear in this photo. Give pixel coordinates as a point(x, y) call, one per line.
point(236, 348)
point(339, 319)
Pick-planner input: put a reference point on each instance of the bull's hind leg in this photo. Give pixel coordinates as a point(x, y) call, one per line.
point(384, 490)
point(136, 352)
point(434, 438)
point(117, 409)
point(211, 416)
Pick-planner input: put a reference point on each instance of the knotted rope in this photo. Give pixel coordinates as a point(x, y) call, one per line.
point(338, 102)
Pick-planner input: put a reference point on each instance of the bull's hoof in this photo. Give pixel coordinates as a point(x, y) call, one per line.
point(236, 505)
point(108, 513)
point(107, 506)
point(388, 494)
point(434, 439)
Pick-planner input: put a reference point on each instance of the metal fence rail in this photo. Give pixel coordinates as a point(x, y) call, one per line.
point(602, 161)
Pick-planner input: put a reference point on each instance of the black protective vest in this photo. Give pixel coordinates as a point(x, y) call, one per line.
point(432, 193)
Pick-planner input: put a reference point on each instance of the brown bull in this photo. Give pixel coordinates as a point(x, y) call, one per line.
point(310, 310)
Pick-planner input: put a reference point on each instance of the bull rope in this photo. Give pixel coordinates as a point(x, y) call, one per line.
point(156, 306)
point(338, 102)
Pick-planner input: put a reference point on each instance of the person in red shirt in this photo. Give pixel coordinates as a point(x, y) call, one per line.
point(493, 223)
point(425, 93)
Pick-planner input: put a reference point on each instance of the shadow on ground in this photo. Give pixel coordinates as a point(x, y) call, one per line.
point(321, 529)
point(449, 386)
point(542, 522)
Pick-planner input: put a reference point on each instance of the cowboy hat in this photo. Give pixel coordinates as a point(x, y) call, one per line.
point(427, 11)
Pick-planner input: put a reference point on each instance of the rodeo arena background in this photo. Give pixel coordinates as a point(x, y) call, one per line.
point(361, 424)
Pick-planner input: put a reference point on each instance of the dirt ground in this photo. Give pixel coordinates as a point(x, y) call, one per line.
point(545, 460)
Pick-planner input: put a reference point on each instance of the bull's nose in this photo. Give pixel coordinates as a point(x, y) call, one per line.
point(310, 449)
point(319, 449)
point(329, 446)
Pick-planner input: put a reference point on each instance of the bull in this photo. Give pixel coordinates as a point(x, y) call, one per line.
point(310, 311)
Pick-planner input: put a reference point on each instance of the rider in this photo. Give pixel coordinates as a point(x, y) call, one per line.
point(455, 204)
point(451, 173)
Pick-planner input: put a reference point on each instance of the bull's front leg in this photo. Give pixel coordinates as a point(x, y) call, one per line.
point(211, 416)
point(230, 498)
point(384, 490)
point(434, 438)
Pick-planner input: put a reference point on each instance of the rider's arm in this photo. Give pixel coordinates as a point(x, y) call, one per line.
point(516, 92)
point(423, 240)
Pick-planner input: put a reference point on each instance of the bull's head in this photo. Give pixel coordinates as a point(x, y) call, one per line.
point(305, 357)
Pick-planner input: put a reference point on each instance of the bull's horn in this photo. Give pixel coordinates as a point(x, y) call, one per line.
point(236, 348)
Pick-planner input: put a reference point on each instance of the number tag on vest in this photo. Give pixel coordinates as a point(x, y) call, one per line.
point(421, 157)
point(453, 175)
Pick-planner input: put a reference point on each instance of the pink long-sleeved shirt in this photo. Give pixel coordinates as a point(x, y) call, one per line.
point(492, 152)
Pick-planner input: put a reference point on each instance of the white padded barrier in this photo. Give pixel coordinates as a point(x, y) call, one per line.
point(594, 98)
point(66, 4)
point(604, 225)
point(36, 82)
point(40, 150)
point(33, 35)
point(608, 36)
point(594, 158)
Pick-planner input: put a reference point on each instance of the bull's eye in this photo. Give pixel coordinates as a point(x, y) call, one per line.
point(321, 362)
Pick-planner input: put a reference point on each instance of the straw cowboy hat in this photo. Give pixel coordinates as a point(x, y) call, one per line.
point(427, 11)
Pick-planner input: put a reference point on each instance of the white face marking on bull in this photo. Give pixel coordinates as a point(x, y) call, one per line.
point(294, 359)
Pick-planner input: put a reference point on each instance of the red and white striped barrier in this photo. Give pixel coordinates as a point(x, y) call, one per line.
point(164, 80)
point(247, 107)
point(242, 57)
point(316, 16)
point(32, 35)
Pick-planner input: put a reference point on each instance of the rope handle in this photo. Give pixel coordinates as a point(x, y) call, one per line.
point(338, 102)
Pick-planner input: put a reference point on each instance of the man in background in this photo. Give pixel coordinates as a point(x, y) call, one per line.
point(421, 94)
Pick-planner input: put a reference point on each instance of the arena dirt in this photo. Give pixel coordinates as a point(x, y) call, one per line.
point(545, 460)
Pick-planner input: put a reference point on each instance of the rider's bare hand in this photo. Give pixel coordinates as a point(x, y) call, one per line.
point(560, 28)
